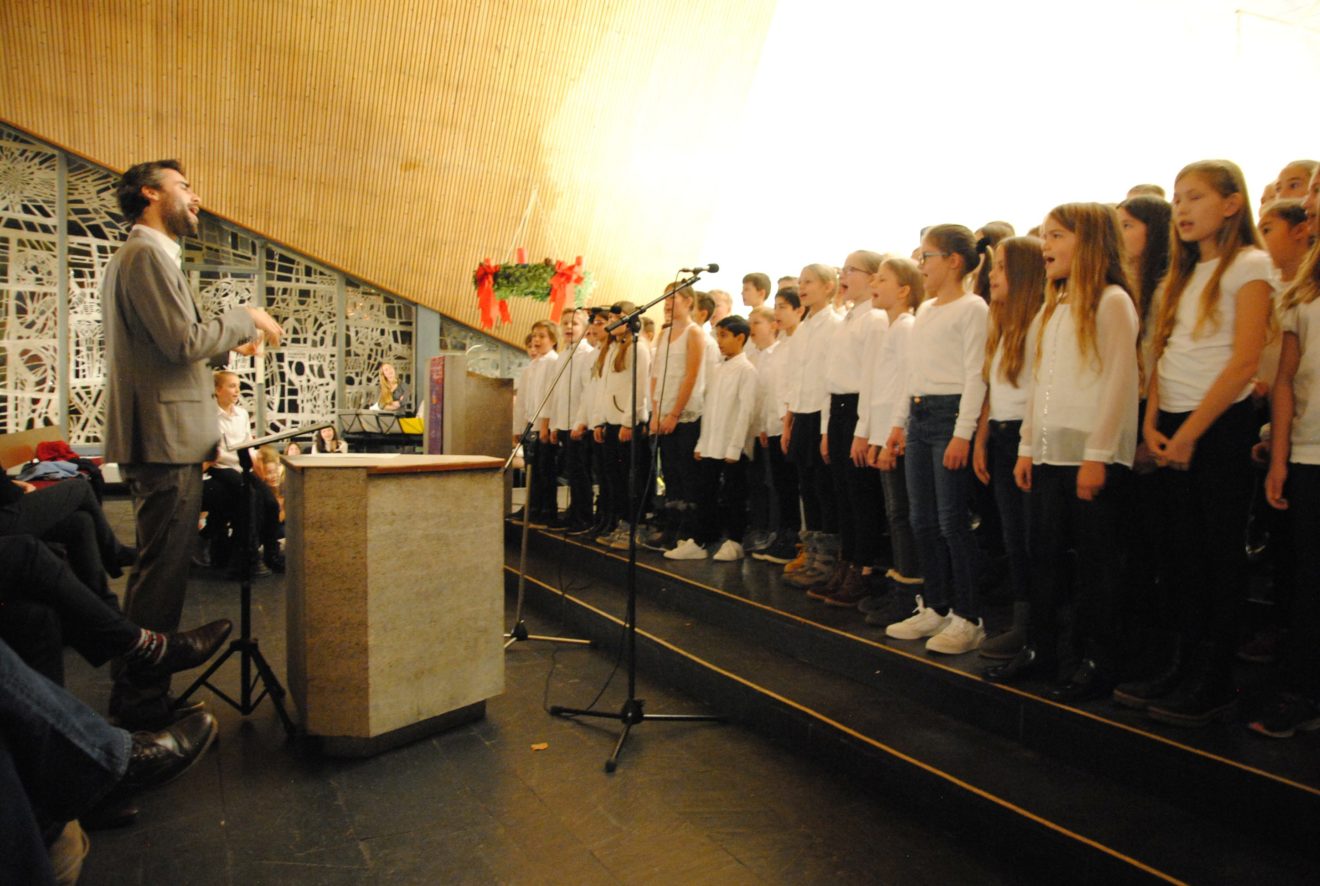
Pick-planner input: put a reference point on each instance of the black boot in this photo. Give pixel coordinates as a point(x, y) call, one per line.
point(1207, 694)
point(1140, 694)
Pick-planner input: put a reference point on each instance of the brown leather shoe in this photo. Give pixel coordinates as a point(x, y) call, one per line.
point(842, 569)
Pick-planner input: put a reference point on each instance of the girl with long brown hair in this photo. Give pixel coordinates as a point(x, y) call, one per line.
point(1016, 276)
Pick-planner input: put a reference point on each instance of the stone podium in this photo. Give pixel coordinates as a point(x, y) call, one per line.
point(395, 595)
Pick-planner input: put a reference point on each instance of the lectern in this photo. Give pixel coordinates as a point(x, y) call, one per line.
point(395, 595)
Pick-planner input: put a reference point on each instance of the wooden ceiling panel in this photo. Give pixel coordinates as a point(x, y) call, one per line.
point(401, 141)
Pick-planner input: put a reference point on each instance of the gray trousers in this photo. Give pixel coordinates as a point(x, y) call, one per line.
point(167, 502)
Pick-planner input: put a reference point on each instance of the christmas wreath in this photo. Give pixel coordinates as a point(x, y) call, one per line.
point(548, 280)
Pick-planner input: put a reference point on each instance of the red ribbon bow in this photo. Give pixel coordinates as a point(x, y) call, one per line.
point(565, 275)
point(486, 272)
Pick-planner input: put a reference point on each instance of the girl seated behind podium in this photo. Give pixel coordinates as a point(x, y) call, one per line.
point(393, 396)
point(327, 441)
point(269, 470)
point(620, 415)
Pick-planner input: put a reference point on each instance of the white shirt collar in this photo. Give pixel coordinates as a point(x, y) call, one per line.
point(168, 243)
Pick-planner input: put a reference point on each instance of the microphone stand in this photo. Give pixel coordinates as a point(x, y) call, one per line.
point(632, 713)
point(245, 645)
point(518, 632)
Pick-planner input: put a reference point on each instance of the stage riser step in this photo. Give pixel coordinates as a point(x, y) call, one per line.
point(1237, 796)
point(1041, 853)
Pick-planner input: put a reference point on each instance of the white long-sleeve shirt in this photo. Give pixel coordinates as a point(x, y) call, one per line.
point(727, 427)
point(1008, 401)
point(566, 400)
point(847, 360)
point(945, 356)
point(806, 361)
point(235, 428)
point(884, 385)
point(535, 378)
point(615, 395)
point(770, 409)
point(1083, 408)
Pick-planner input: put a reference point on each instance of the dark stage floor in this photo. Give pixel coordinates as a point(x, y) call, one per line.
point(691, 803)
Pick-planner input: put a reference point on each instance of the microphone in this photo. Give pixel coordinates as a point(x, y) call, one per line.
point(708, 269)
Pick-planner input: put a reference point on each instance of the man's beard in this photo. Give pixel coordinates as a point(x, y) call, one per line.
point(179, 222)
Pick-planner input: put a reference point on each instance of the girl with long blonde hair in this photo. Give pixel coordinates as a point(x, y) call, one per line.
point(1212, 324)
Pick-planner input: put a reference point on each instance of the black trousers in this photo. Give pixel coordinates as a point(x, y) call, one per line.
point(1302, 651)
point(784, 478)
point(68, 513)
point(627, 495)
point(575, 456)
point(683, 476)
point(1204, 519)
point(1060, 521)
point(543, 497)
point(858, 496)
point(36, 580)
point(722, 505)
point(814, 483)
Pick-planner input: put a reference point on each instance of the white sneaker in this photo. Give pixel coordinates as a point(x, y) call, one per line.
point(922, 623)
point(687, 549)
point(728, 551)
point(958, 636)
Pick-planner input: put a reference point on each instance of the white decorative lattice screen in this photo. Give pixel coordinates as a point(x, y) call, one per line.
point(60, 224)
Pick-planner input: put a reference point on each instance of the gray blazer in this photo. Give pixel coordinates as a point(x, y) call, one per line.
point(158, 400)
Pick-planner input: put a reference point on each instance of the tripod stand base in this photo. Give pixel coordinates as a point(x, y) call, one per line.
point(631, 714)
point(518, 633)
point(249, 655)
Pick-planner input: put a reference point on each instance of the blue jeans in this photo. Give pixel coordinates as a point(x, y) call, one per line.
point(938, 507)
point(67, 756)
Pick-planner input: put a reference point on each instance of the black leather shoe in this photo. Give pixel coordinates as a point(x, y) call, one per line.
point(1026, 662)
point(158, 758)
point(108, 814)
point(1202, 698)
point(1087, 682)
point(187, 650)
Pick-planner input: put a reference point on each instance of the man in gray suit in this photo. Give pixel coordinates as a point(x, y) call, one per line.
point(160, 420)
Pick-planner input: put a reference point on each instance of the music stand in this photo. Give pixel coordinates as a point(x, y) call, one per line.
point(245, 645)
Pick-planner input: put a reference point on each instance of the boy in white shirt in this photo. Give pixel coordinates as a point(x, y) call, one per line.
point(728, 429)
point(565, 404)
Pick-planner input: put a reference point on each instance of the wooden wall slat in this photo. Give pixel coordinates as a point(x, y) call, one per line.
point(400, 141)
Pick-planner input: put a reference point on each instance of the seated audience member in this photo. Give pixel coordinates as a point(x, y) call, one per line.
point(393, 395)
point(36, 580)
point(69, 514)
point(727, 431)
point(293, 448)
point(222, 486)
point(327, 440)
point(58, 758)
point(269, 470)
